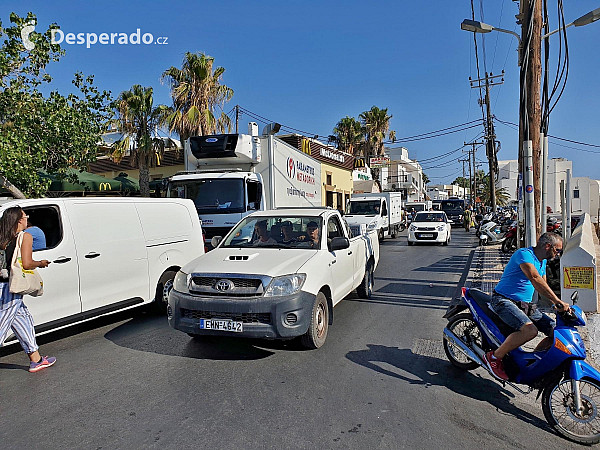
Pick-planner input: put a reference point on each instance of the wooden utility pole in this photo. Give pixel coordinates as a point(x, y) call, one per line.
point(532, 79)
point(237, 118)
point(472, 170)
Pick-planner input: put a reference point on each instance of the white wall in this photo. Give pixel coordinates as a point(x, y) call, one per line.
point(508, 175)
point(557, 171)
point(587, 201)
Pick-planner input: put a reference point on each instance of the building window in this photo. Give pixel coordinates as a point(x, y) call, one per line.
point(576, 193)
point(328, 182)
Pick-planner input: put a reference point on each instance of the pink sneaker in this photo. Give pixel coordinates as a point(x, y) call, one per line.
point(495, 366)
point(46, 361)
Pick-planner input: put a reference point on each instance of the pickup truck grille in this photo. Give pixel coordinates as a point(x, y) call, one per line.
point(239, 317)
point(237, 282)
point(228, 285)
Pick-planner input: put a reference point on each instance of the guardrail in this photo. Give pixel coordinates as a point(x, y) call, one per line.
point(578, 266)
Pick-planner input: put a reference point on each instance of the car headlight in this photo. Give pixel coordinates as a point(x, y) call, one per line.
point(412, 228)
point(441, 228)
point(285, 285)
point(181, 282)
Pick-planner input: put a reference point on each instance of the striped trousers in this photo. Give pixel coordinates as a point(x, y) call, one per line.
point(15, 316)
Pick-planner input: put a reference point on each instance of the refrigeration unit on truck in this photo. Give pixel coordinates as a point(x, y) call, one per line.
point(380, 211)
point(228, 176)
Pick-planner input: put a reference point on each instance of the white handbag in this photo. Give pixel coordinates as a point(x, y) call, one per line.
point(23, 281)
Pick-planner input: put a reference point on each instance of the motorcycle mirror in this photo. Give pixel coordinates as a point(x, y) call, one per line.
point(574, 297)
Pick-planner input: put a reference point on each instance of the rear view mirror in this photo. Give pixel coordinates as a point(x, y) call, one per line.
point(216, 240)
point(339, 243)
point(574, 297)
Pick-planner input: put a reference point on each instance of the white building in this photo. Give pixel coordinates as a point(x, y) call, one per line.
point(435, 193)
point(557, 172)
point(451, 190)
point(585, 194)
point(508, 176)
point(403, 174)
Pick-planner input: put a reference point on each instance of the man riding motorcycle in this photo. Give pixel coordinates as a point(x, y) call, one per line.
point(512, 297)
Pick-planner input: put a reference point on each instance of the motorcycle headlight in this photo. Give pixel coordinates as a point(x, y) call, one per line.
point(285, 285)
point(181, 282)
point(412, 228)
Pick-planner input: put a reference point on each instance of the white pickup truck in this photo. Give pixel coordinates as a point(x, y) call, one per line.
point(277, 274)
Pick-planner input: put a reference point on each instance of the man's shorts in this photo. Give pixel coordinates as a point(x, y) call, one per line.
point(515, 317)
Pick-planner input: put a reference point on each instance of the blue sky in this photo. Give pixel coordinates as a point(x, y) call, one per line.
point(306, 64)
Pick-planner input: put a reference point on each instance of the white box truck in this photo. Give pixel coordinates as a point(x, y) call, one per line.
point(228, 176)
point(380, 211)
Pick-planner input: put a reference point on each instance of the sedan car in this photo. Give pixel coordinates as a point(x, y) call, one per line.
point(430, 226)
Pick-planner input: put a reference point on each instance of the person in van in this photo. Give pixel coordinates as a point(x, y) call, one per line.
point(39, 238)
point(14, 315)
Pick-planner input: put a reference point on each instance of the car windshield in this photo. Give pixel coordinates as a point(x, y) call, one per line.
point(365, 207)
point(453, 205)
point(276, 232)
point(430, 217)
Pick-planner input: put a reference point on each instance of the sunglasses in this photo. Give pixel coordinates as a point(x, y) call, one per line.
point(558, 250)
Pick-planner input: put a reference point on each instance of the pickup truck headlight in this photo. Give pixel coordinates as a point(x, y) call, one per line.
point(285, 285)
point(412, 228)
point(181, 282)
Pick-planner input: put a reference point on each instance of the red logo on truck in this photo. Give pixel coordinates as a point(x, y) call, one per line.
point(291, 168)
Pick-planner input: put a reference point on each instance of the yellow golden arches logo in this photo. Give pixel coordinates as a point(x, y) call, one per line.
point(157, 159)
point(105, 187)
point(306, 146)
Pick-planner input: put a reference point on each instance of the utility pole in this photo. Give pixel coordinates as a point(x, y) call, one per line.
point(237, 117)
point(472, 172)
point(463, 161)
point(490, 134)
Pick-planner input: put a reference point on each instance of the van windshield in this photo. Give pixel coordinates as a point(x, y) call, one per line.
point(212, 196)
point(364, 207)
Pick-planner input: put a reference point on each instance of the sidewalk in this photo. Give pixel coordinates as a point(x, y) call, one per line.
point(485, 272)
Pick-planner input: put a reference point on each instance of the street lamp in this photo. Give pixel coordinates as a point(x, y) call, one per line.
point(480, 27)
point(586, 19)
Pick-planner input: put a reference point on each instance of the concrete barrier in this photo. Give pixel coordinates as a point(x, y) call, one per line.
point(578, 266)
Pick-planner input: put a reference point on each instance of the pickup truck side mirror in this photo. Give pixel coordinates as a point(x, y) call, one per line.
point(215, 241)
point(339, 243)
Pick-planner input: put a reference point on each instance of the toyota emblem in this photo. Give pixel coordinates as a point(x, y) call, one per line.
point(223, 285)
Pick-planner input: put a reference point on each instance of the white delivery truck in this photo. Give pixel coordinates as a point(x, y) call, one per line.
point(380, 211)
point(228, 176)
point(426, 205)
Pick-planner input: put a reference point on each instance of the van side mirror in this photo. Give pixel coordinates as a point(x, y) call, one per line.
point(339, 243)
point(215, 241)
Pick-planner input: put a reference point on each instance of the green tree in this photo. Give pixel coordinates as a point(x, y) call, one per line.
point(37, 132)
point(348, 135)
point(139, 120)
point(502, 194)
point(462, 182)
point(198, 94)
point(376, 124)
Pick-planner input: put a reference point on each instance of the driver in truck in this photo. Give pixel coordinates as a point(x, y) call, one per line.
point(312, 235)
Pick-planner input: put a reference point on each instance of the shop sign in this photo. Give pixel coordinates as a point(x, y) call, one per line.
point(379, 161)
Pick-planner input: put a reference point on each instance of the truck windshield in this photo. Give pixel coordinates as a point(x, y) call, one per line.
point(212, 195)
point(457, 205)
point(364, 208)
point(276, 232)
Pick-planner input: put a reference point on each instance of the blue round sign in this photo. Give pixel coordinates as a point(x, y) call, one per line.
point(529, 189)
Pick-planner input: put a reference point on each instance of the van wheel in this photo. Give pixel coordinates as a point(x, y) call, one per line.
point(319, 324)
point(381, 235)
point(164, 287)
point(394, 233)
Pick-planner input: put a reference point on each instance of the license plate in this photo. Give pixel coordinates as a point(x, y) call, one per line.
point(221, 325)
point(426, 235)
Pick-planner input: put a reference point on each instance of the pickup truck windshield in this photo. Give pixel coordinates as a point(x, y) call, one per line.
point(212, 196)
point(364, 207)
point(276, 232)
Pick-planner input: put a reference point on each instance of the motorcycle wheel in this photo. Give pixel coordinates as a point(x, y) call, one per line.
point(559, 410)
point(463, 326)
point(509, 244)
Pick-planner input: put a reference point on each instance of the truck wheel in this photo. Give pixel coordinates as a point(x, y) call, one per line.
point(319, 324)
point(381, 235)
point(365, 290)
point(164, 287)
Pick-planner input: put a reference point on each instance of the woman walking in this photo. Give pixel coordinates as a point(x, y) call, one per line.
point(14, 315)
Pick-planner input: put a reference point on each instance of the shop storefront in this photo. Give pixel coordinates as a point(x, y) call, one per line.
point(336, 169)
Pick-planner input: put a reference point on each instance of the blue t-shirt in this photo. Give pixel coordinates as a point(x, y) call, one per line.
point(514, 284)
point(39, 238)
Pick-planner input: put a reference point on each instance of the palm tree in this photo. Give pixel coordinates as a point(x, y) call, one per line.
point(349, 134)
point(502, 194)
point(139, 120)
point(376, 123)
point(197, 93)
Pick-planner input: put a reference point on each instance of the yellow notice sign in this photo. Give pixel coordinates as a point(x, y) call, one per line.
point(578, 277)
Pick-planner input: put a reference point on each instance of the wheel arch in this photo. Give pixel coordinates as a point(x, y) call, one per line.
point(326, 290)
point(160, 278)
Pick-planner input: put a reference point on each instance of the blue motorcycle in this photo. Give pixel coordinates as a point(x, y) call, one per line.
point(569, 387)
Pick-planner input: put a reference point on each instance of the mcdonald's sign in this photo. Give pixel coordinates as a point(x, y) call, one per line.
point(105, 187)
point(306, 146)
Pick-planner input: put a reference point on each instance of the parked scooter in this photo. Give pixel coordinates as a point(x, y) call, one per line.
point(490, 233)
point(510, 238)
point(570, 387)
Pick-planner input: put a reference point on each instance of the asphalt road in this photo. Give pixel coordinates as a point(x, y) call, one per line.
point(380, 382)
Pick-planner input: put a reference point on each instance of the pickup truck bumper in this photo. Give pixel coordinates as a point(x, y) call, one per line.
point(262, 317)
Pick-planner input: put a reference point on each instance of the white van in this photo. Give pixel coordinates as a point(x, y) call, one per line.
point(108, 254)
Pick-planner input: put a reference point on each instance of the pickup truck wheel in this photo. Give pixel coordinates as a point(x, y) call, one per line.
point(319, 324)
point(365, 290)
point(164, 287)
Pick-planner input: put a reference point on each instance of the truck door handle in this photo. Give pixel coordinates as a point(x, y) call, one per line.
point(61, 260)
point(92, 255)
point(350, 252)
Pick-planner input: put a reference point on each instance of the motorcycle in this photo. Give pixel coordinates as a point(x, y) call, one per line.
point(510, 238)
point(490, 233)
point(569, 386)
